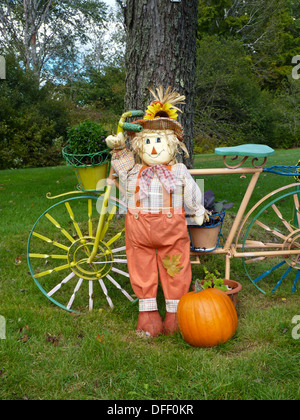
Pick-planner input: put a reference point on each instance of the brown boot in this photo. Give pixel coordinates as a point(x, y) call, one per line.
point(170, 323)
point(150, 322)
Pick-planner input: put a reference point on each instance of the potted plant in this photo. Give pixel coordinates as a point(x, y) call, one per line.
point(206, 238)
point(87, 152)
point(212, 280)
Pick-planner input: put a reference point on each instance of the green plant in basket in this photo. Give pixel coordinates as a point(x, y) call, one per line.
point(87, 137)
point(86, 144)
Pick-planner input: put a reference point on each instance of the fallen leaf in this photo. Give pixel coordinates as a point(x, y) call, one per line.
point(172, 264)
point(99, 338)
point(22, 328)
point(52, 339)
point(75, 315)
point(24, 339)
point(18, 261)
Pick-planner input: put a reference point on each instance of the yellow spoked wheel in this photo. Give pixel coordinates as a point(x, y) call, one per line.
point(60, 246)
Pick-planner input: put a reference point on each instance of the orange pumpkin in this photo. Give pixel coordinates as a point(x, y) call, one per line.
point(207, 318)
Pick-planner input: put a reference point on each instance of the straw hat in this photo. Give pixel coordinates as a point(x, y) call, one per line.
point(162, 113)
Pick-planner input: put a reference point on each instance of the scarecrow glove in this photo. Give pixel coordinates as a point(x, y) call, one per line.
point(116, 142)
point(199, 220)
point(206, 215)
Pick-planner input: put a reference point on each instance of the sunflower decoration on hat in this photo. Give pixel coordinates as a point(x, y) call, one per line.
point(164, 104)
point(162, 113)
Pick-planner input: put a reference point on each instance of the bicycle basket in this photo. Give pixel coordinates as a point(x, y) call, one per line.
point(206, 238)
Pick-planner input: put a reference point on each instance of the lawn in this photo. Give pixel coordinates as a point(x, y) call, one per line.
point(52, 354)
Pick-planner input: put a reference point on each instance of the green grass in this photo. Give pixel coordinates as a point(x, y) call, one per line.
point(49, 353)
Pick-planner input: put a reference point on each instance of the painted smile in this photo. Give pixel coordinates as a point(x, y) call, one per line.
point(155, 156)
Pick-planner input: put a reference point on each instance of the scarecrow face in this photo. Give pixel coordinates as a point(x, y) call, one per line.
point(156, 149)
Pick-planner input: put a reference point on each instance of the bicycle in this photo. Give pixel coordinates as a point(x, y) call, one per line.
point(89, 252)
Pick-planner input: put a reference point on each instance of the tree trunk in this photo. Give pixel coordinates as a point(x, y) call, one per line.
point(161, 50)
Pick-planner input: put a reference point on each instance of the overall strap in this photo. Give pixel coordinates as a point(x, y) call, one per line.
point(167, 197)
point(137, 188)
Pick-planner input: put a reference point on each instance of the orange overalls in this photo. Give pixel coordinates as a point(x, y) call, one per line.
point(150, 238)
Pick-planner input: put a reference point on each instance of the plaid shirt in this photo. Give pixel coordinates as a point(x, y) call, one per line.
point(187, 193)
point(166, 177)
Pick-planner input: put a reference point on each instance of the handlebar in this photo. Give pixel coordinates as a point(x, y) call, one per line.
point(136, 113)
point(132, 127)
point(129, 126)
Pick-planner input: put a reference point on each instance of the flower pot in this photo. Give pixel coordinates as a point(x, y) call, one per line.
point(235, 287)
point(89, 176)
point(89, 168)
point(206, 238)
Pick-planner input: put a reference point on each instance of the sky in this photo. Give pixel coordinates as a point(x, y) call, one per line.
point(111, 3)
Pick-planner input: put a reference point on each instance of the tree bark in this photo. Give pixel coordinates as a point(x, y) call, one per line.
point(161, 50)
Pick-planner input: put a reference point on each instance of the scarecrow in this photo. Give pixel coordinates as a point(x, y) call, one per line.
point(159, 190)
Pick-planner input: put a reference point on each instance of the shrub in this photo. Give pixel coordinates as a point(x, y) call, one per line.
point(32, 118)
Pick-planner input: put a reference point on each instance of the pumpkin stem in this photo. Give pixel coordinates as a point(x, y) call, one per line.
point(198, 286)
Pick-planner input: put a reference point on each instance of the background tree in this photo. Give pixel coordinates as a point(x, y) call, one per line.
point(48, 35)
point(102, 89)
point(33, 120)
point(161, 50)
point(268, 29)
point(245, 92)
point(231, 107)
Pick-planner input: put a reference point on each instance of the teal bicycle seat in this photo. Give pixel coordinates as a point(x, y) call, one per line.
point(255, 150)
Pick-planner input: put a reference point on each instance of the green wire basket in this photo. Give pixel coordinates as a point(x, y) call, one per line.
point(89, 159)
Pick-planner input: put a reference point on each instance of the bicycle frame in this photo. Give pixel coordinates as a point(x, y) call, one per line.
point(230, 249)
